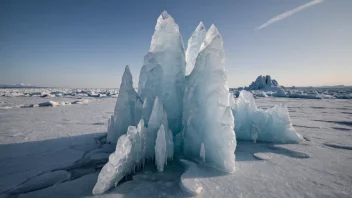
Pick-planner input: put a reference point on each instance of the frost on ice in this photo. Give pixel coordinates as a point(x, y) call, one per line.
point(124, 114)
point(271, 125)
point(160, 149)
point(167, 52)
point(207, 114)
point(193, 47)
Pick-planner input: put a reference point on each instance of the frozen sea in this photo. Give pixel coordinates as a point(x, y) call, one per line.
point(58, 151)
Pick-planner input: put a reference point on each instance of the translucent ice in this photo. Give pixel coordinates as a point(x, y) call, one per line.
point(160, 150)
point(271, 125)
point(124, 114)
point(202, 152)
point(207, 114)
point(116, 168)
point(167, 52)
point(127, 156)
point(157, 118)
point(193, 47)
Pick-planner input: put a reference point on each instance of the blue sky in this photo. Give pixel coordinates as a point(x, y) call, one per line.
point(87, 43)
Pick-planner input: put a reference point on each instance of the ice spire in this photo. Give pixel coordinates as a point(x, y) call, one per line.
point(193, 47)
point(124, 114)
point(202, 152)
point(160, 149)
point(166, 52)
point(208, 116)
point(155, 120)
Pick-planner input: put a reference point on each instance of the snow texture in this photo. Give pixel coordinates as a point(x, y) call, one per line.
point(29, 148)
point(160, 149)
point(125, 109)
point(193, 47)
point(207, 114)
point(189, 180)
point(270, 125)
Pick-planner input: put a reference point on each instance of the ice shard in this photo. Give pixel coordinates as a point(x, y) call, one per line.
point(124, 114)
point(193, 47)
point(208, 116)
point(270, 125)
point(202, 153)
point(127, 156)
point(167, 52)
point(160, 149)
point(155, 121)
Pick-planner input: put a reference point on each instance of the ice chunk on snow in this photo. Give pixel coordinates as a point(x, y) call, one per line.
point(116, 168)
point(124, 114)
point(271, 125)
point(193, 47)
point(127, 156)
point(160, 150)
point(207, 113)
point(167, 51)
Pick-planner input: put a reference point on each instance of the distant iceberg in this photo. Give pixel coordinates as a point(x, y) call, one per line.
point(264, 83)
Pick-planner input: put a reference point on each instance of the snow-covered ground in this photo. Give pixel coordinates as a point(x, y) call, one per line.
point(58, 151)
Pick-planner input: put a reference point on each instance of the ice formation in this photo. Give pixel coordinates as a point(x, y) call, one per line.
point(270, 125)
point(157, 118)
point(202, 152)
point(207, 113)
point(167, 52)
point(125, 109)
point(160, 149)
point(193, 47)
point(264, 82)
point(200, 104)
point(120, 162)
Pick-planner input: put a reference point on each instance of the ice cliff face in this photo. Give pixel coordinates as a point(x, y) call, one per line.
point(271, 125)
point(193, 47)
point(208, 117)
point(125, 109)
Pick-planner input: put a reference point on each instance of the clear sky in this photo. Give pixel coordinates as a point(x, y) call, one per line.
point(87, 43)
